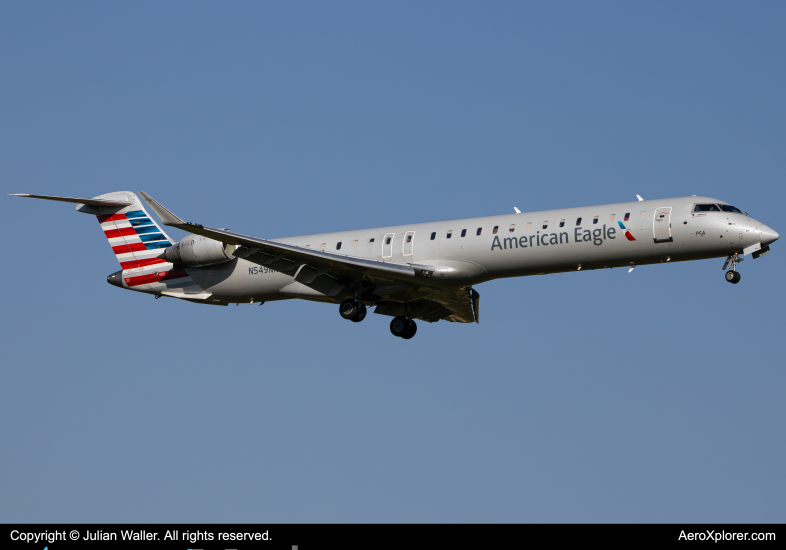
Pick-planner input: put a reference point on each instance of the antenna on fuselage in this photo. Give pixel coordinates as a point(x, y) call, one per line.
point(517, 210)
point(639, 197)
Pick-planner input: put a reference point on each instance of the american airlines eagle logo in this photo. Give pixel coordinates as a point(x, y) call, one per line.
point(627, 233)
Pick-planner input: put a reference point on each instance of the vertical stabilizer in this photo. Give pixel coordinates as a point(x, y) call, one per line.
point(135, 238)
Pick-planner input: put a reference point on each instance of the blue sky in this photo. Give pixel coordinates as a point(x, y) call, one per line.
point(601, 396)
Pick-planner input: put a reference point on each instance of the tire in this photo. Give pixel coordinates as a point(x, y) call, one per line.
point(361, 314)
point(731, 276)
point(413, 328)
point(399, 326)
point(737, 277)
point(349, 309)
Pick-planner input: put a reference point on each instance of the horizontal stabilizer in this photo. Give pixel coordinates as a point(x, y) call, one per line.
point(90, 202)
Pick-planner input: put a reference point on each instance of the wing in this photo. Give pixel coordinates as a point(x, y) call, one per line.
point(457, 306)
point(314, 268)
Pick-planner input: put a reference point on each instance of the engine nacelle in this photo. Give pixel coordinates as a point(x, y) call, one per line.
point(196, 251)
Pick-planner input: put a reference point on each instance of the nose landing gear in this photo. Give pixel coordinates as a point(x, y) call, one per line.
point(733, 275)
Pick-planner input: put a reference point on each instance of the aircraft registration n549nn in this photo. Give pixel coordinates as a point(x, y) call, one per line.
point(421, 271)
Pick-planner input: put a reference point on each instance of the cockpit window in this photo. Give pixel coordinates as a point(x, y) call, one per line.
point(728, 208)
point(706, 208)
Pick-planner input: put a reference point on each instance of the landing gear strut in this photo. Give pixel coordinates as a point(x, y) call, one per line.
point(403, 327)
point(733, 275)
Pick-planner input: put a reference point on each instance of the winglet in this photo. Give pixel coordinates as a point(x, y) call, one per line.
point(167, 217)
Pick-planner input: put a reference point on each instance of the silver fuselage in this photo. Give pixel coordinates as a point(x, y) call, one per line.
point(530, 243)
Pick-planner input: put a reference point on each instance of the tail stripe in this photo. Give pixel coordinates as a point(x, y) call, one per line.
point(135, 239)
point(156, 277)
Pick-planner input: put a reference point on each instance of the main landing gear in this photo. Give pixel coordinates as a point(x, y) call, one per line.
point(352, 310)
point(403, 327)
point(733, 275)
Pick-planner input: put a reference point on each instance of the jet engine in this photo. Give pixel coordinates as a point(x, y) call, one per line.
point(197, 251)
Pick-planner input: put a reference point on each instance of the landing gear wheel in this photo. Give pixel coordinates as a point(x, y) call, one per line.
point(350, 309)
point(403, 327)
point(361, 314)
point(733, 277)
point(413, 328)
point(399, 326)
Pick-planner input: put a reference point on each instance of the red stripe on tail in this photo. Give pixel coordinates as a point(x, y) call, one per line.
point(141, 263)
point(151, 278)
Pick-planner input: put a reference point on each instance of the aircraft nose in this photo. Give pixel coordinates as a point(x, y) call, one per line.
point(115, 279)
point(768, 235)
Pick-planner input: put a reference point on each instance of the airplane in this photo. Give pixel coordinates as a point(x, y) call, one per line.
point(424, 271)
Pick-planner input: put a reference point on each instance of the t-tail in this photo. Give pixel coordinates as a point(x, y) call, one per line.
point(136, 239)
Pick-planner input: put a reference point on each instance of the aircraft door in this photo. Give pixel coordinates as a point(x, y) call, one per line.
point(661, 225)
point(387, 245)
point(409, 243)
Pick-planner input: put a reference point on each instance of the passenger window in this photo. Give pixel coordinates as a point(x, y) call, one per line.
point(612, 218)
point(409, 238)
point(512, 227)
point(595, 220)
point(545, 224)
point(479, 230)
point(643, 215)
point(308, 246)
point(354, 244)
point(322, 246)
point(706, 208)
point(627, 216)
point(433, 235)
point(496, 228)
point(371, 240)
point(450, 233)
point(562, 223)
point(578, 221)
point(529, 226)
point(463, 232)
point(387, 241)
point(338, 246)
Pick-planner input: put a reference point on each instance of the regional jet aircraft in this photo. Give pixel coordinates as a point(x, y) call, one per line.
point(420, 271)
